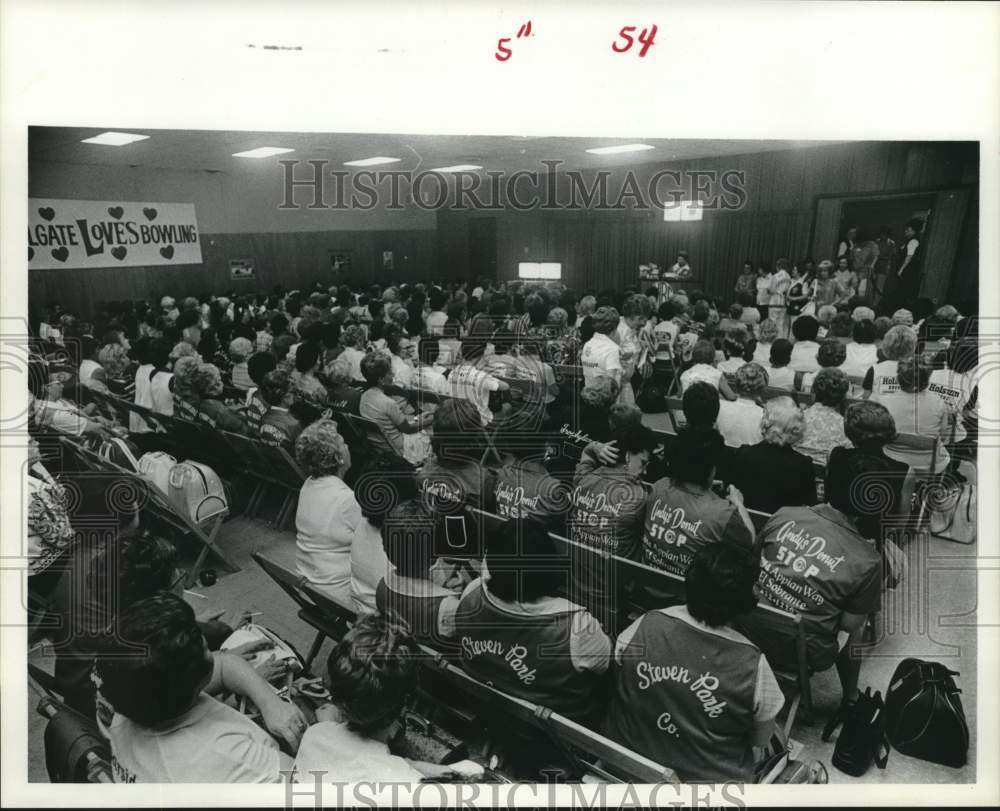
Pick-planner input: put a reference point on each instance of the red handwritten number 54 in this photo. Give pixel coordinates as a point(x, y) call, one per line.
point(646, 39)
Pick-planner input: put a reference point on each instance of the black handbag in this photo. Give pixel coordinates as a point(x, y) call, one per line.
point(862, 740)
point(924, 714)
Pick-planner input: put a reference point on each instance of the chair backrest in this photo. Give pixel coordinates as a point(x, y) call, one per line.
point(317, 606)
point(759, 519)
point(366, 428)
point(587, 750)
point(922, 451)
point(780, 636)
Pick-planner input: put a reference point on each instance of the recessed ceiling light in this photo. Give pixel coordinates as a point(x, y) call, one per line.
point(114, 139)
point(461, 167)
point(615, 150)
point(262, 152)
point(372, 161)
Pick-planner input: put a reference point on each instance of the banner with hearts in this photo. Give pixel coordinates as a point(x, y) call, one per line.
point(102, 234)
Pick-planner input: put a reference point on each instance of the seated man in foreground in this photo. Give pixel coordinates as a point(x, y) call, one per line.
point(158, 674)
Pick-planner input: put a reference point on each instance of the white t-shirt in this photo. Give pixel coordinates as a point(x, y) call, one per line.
point(739, 422)
point(601, 357)
point(474, 385)
point(804, 356)
point(701, 373)
point(210, 743)
point(781, 377)
point(325, 523)
point(143, 397)
point(860, 358)
point(955, 388)
point(435, 322)
point(344, 756)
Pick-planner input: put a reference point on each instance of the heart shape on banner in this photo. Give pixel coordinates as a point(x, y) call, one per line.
point(47, 213)
point(119, 252)
point(60, 254)
point(150, 213)
point(167, 252)
point(31, 253)
point(116, 212)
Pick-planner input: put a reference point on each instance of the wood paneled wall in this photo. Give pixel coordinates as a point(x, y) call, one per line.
point(603, 249)
point(290, 259)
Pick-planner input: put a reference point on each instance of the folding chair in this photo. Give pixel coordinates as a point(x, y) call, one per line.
point(759, 519)
point(252, 462)
point(921, 454)
point(329, 619)
point(781, 637)
point(585, 751)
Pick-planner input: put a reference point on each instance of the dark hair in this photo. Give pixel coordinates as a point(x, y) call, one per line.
point(830, 387)
point(695, 453)
point(307, 356)
point(159, 352)
point(720, 583)
point(375, 366)
point(274, 386)
point(805, 328)
point(278, 324)
point(385, 482)
point(523, 562)
point(408, 538)
point(503, 341)
point(457, 431)
point(373, 671)
point(781, 352)
point(259, 365)
point(134, 569)
point(869, 424)
point(154, 667)
point(701, 404)
point(831, 353)
point(632, 437)
point(913, 374)
point(703, 352)
point(863, 331)
point(429, 349)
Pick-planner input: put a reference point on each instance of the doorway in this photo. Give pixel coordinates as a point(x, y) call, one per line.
point(482, 248)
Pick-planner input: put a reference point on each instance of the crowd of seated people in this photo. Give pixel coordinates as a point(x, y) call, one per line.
point(534, 419)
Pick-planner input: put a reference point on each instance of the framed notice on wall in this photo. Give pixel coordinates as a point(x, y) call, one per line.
point(340, 261)
point(242, 269)
point(110, 233)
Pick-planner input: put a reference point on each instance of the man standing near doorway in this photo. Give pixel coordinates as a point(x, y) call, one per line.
point(903, 284)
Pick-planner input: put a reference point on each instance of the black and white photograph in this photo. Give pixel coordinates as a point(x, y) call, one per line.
point(400, 467)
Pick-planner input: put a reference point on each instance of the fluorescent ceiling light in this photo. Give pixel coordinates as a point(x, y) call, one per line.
point(616, 150)
point(372, 161)
point(262, 152)
point(114, 139)
point(461, 167)
point(685, 210)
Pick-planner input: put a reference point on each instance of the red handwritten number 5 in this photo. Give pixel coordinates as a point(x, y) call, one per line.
point(646, 38)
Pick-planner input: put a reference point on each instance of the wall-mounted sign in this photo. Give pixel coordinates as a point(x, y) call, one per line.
point(387, 262)
point(241, 269)
point(101, 234)
point(340, 261)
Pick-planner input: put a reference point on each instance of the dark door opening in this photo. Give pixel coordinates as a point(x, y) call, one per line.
point(482, 248)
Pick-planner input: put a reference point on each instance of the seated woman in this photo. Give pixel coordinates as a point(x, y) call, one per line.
point(579, 423)
point(779, 374)
point(257, 367)
point(683, 514)
point(353, 339)
point(385, 481)
point(328, 515)
point(524, 486)
point(830, 355)
point(768, 334)
point(917, 410)
point(158, 675)
point(419, 588)
point(823, 428)
point(769, 473)
point(739, 419)
point(279, 426)
point(899, 343)
point(428, 373)
point(862, 353)
point(608, 507)
point(805, 331)
point(342, 396)
point(454, 478)
point(185, 392)
point(385, 412)
point(240, 352)
point(50, 408)
point(601, 355)
point(736, 347)
point(519, 635)
point(372, 676)
point(307, 359)
point(690, 691)
point(844, 584)
point(211, 409)
point(703, 369)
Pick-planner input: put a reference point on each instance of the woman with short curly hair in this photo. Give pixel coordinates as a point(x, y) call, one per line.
point(328, 514)
point(899, 342)
point(210, 407)
point(824, 420)
point(739, 419)
point(770, 473)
